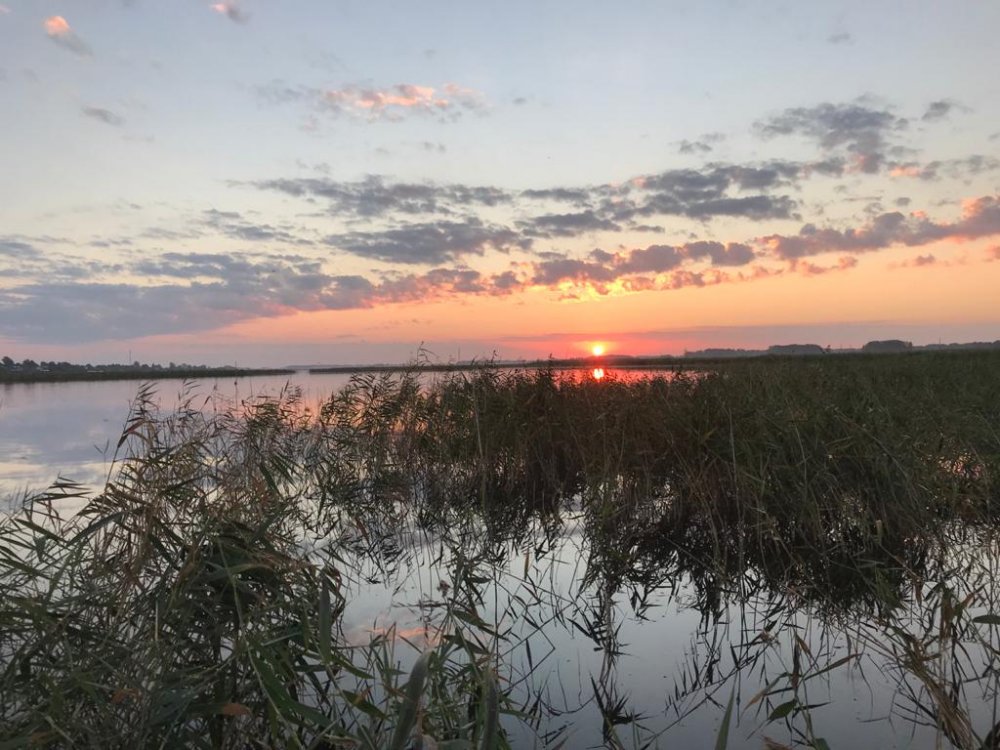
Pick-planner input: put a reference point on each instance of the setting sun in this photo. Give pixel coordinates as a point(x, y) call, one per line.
point(597, 350)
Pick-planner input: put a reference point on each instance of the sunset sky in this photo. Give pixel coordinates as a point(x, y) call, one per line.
point(271, 182)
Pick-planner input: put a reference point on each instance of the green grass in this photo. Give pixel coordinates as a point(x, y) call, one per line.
point(198, 598)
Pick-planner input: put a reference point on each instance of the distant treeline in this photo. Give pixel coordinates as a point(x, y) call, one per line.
point(872, 347)
point(29, 370)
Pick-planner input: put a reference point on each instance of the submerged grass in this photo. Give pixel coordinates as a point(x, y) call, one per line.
point(198, 599)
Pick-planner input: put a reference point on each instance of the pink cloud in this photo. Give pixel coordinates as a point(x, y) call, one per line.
point(906, 170)
point(393, 101)
point(231, 10)
point(806, 268)
point(57, 26)
point(4, 10)
point(980, 218)
point(59, 31)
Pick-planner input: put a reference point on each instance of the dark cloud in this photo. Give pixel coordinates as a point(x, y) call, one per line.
point(693, 147)
point(16, 249)
point(432, 242)
point(566, 225)
point(552, 272)
point(862, 131)
point(199, 291)
point(841, 37)
point(232, 224)
point(579, 196)
point(751, 207)
point(103, 115)
point(373, 197)
point(730, 254)
point(653, 259)
point(703, 145)
point(938, 110)
point(705, 193)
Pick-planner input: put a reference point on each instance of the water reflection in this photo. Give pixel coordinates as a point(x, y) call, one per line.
point(621, 578)
point(597, 373)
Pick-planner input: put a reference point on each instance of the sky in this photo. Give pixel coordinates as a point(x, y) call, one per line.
point(336, 181)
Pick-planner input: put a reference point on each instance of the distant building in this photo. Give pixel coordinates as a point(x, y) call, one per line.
point(796, 350)
point(889, 345)
point(723, 353)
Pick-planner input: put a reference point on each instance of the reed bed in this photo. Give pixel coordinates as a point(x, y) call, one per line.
point(198, 598)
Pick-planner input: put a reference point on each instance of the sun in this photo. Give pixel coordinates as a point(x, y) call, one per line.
point(597, 350)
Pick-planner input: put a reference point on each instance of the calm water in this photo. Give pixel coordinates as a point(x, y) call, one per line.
point(48, 430)
point(655, 651)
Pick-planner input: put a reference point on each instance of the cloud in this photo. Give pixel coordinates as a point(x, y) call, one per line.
point(195, 291)
point(404, 98)
point(60, 32)
point(103, 115)
point(920, 260)
point(231, 10)
point(703, 145)
point(4, 10)
point(841, 37)
point(807, 268)
point(980, 218)
point(566, 225)
point(233, 225)
point(430, 242)
point(392, 103)
point(937, 110)
point(373, 197)
point(954, 169)
point(579, 196)
point(16, 249)
point(639, 269)
point(708, 192)
point(863, 132)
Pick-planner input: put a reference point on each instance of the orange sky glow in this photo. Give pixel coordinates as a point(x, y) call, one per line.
point(174, 193)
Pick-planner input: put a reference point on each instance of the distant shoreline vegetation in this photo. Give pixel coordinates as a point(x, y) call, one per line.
point(699, 358)
point(29, 371)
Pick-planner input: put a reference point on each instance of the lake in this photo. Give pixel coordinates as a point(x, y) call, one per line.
point(621, 599)
point(70, 429)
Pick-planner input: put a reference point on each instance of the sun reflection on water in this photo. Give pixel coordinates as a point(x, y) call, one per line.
point(598, 373)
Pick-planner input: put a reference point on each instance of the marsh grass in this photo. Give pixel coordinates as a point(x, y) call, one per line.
point(198, 598)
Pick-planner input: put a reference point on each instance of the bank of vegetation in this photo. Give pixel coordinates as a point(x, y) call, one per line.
point(30, 371)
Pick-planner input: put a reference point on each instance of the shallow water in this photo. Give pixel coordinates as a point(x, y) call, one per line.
point(70, 429)
point(670, 665)
point(48, 430)
point(660, 644)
